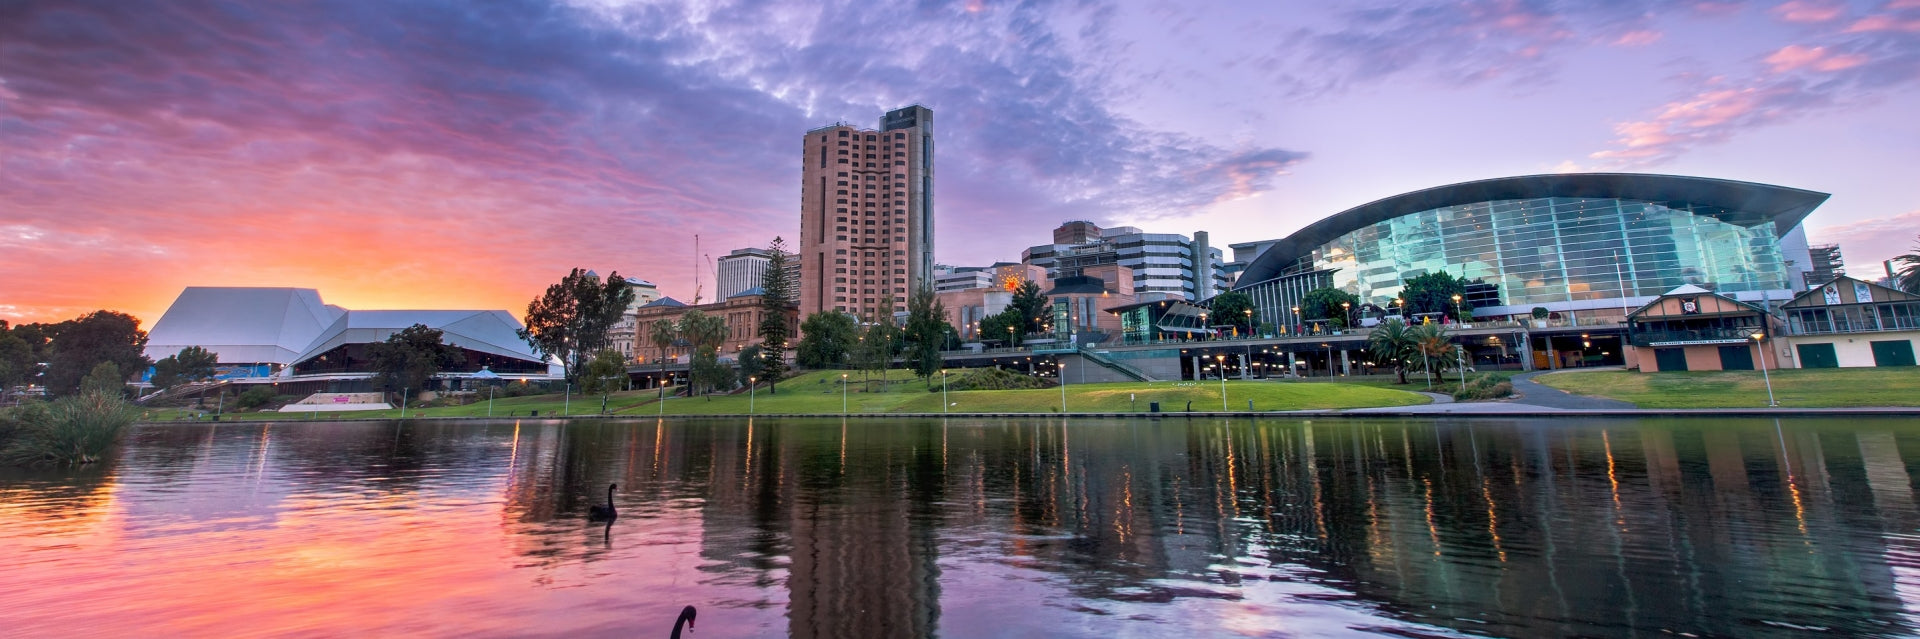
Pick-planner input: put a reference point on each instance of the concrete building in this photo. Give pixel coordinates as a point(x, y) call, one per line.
point(1166, 264)
point(866, 213)
point(947, 279)
point(1081, 303)
point(966, 307)
point(739, 271)
point(621, 335)
point(742, 314)
point(1845, 322)
point(1825, 263)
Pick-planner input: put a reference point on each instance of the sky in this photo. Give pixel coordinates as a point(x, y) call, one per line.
point(440, 154)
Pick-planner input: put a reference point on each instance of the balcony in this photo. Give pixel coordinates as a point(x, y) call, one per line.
point(1696, 336)
point(1844, 324)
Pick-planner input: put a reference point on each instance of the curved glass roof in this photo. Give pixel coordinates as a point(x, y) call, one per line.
point(1745, 204)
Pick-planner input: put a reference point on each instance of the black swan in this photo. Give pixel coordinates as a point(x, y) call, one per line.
point(686, 617)
point(604, 513)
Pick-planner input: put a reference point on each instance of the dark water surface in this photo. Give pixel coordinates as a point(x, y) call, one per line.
point(1026, 527)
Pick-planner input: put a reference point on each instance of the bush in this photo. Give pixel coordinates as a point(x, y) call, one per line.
point(255, 397)
point(993, 379)
point(73, 430)
point(1484, 387)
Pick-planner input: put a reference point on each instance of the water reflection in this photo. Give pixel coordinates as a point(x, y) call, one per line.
point(825, 528)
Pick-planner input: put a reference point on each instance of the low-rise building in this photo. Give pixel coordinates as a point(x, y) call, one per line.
point(1846, 323)
point(1692, 329)
point(742, 314)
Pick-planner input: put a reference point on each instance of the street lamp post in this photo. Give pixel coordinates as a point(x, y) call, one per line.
point(1757, 343)
point(1456, 309)
point(752, 389)
point(489, 400)
point(1346, 314)
point(843, 394)
point(403, 402)
point(1222, 359)
point(566, 404)
point(943, 391)
point(1296, 318)
point(1061, 369)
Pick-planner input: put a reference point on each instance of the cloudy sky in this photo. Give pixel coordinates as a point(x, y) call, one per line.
point(463, 155)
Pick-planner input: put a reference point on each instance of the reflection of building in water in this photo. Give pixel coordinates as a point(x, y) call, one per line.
point(864, 553)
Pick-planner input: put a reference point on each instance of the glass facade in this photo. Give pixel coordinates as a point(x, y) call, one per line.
point(1546, 250)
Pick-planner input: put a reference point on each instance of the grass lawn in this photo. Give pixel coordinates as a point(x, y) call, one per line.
point(1443, 384)
point(818, 393)
point(1801, 388)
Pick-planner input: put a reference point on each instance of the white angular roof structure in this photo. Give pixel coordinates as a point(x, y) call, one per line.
point(243, 325)
point(492, 332)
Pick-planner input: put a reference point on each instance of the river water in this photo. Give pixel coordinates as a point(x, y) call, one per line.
point(970, 527)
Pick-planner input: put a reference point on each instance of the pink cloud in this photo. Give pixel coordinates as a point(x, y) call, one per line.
point(1637, 38)
point(1804, 11)
point(1885, 22)
point(1709, 116)
point(1792, 57)
point(1904, 4)
point(1867, 243)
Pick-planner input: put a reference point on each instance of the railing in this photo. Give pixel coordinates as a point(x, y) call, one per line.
point(1649, 338)
point(1115, 366)
point(1844, 325)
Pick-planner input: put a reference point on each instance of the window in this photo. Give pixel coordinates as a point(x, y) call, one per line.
point(840, 228)
point(840, 252)
point(840, 238)
point(839, 289)
point(843, 174)
point(869, 137)
point(843, 134)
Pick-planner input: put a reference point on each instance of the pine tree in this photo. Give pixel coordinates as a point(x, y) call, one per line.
point(774, 304)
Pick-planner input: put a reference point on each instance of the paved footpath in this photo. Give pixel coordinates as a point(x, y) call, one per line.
point(1538, 394)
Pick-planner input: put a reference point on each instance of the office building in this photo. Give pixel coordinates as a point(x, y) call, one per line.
point(739, 271)
point(1162, 264)
point(866, 213)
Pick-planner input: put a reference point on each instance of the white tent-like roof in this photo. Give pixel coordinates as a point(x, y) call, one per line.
point(242, 325)
point(493, 332)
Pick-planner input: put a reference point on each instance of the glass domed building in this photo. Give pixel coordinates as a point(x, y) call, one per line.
point(1591, 244)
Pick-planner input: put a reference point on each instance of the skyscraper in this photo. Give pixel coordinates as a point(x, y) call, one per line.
point(866, 213)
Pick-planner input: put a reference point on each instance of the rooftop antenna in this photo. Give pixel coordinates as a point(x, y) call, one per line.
point(696, 269)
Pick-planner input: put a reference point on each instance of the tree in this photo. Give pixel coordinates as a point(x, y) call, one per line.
point(1908, 278)
point(1326, 304)
point(705, 333)
point(926, 333)
point(880, 342)
point(1008, 323)
point(571, 320)
point(1434, 293)
point(774, 324)
point(1032, 307)
point(17, 365)
point(408, 358)
point(1434, 346)
point(1234, 308)
point(605, 373)
point(254, 397)
point(1394, 341)
point(826, 338)
point(662, 336)
point(752, 360)
point(191, 364)
point(78, 345)
point(104, 379)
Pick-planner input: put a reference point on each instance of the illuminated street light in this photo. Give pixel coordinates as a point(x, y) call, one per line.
point(1757, 337)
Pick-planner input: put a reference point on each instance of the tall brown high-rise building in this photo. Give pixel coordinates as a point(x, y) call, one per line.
point(866, 213)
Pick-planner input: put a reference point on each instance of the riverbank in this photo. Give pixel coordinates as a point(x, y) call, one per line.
point(821, 393)
point(1791, 388)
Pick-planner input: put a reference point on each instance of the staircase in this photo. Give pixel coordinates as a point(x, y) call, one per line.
point(182, 390)
point(1135, 374)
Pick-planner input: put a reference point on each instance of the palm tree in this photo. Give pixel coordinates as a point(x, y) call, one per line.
point(1908, 279)
point(1432, 340)
point(663, 336)
point(1393, 341)
point(704, 334)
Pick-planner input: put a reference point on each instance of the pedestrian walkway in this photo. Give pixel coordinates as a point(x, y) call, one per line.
point(1537, 394)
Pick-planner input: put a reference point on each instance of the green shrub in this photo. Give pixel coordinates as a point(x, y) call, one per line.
point(1484, 387)
point(993, 379)
point(255, 397)
point(73, 430)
